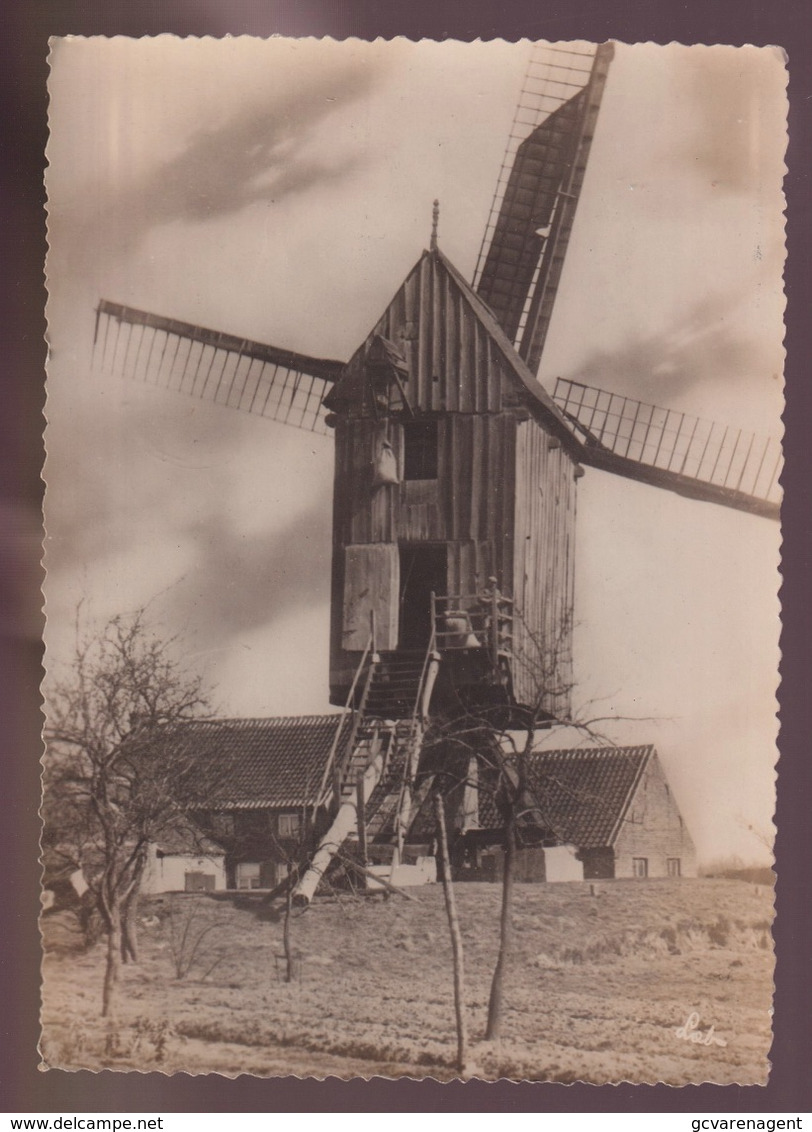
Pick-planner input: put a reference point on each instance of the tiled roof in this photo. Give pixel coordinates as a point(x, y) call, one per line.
point(265, 762)
point(582, 795)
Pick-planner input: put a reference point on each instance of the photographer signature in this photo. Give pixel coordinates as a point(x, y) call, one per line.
point(690, 1032)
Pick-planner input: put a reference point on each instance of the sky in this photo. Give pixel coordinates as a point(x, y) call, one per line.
point(280, 190)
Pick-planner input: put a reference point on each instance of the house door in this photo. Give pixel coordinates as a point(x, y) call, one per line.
point(422, 570)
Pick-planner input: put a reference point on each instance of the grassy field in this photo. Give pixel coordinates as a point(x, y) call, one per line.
point(598, 986)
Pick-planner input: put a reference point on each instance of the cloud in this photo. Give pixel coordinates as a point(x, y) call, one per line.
point(103, 434)
point(707, 347)
point(217, 551)
point(242, 582)
point(264, 150)
point(258, 153)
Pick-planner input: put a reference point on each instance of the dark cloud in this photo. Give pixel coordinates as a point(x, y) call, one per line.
point(239, 580)
point(88, 519)
point(242, 582)
point(257, 154)
point(264, 151)
point(707, 347)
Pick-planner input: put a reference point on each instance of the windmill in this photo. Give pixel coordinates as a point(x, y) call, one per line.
point(456, 472)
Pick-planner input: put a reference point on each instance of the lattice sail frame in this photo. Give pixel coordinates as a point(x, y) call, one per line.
point(737, 465)
point(528, 229)
point(236, 372)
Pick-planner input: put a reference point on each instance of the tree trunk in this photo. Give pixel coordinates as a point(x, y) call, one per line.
point(113, 967)
point(129, 931)
point(129, 919)
point(111, 978)
point(289, 965)
point(494, 1026)
point(456, 937)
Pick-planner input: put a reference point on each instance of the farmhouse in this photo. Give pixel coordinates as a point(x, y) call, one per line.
point(611, 805)
point(269, 801)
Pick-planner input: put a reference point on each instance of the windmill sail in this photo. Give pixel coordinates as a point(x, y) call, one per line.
point(236, 372)
point(678, 451)
point(526, 237)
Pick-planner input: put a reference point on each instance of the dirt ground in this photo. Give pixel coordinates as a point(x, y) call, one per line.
point(598, 988)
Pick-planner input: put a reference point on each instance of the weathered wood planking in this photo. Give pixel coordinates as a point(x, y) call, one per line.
point(503, 501)
point(454, 365)
point(371, 579)
point(544, 529)
point(471, 499)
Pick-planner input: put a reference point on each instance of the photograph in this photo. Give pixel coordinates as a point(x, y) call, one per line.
point(412, 544)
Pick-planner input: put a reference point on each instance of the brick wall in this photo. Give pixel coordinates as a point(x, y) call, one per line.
point(653, 830)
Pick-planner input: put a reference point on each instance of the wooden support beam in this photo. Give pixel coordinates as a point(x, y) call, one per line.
point(361, 821)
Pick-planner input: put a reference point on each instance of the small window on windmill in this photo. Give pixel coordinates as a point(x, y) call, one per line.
point(420, 450)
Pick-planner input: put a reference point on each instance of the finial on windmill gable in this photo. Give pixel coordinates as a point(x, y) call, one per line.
point(435, 219)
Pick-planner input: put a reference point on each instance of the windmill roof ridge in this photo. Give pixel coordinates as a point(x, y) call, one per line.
point(532, 385)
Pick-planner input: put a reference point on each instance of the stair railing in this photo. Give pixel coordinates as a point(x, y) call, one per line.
point(341, 766)
point(414, 733)
point(330, 766)
point(431, 650)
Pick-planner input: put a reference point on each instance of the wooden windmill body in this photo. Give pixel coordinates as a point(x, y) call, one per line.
point(468, 430)
point(456, 471)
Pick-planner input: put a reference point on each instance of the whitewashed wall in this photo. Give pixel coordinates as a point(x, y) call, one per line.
point(168, 873)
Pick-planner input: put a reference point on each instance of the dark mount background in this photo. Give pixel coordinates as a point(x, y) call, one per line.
point(25, 26)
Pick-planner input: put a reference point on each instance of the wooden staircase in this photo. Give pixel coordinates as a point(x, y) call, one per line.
point(381, 810)
point(394, 687)
point(369, 739)
point(374, 770)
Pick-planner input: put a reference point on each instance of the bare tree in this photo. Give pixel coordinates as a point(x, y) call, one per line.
point(118, 770)
point(456, 935)
point(501, 741)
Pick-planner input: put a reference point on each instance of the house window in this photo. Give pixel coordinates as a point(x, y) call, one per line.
point(290, 825)
point(673, 867)
point(640, 866)
point(420, 450)
point(248, 874)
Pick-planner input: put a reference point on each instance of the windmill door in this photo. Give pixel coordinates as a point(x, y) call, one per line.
point(371, 573)
point(423, 570)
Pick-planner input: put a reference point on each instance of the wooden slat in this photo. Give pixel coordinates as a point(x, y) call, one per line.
point(426, 335)
point(437, 377)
